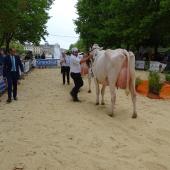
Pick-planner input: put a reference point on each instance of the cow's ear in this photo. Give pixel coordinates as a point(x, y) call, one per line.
point(101, 48)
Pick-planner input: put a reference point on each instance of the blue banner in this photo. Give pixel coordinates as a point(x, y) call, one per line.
point(46, 62)
point(2, 83)
point(2, 86)
point(1, 71)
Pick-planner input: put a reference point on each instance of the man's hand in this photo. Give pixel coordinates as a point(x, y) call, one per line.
point(23, 75)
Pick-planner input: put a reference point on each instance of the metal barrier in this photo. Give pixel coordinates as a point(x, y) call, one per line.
point(2, 82)
point(1, 70)
point(152, 65)
point(2, 86)
point(27, 67)
point(27, 64)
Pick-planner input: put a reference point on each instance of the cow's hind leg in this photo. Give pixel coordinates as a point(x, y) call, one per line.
point(97, 91)
point(133, 96)
point(113, 99)
point(102, 94)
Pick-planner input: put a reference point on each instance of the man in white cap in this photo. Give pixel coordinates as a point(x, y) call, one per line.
point(75, 70)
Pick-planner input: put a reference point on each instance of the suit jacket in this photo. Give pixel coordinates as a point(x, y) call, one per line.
point(1, 60)
point(8, 66)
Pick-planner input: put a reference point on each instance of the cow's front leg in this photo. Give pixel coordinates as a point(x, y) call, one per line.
point(133, 96)
point(113, 99)
point(97, 91)
point(102, 94)
point(89, 81)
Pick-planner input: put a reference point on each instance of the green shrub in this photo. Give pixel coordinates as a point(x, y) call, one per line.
point(154, 83)
point(167, 77)
point(138, 81)
point(166, 71)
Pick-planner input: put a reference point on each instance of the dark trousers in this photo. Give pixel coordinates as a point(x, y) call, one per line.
point(66, 72)
point(12, 84)
point(78, 82)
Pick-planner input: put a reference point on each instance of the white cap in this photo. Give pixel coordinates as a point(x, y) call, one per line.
point(74, 49)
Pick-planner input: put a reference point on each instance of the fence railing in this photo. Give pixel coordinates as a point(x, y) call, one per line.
point(27, 67)
point(152, 65)
point(139, 64)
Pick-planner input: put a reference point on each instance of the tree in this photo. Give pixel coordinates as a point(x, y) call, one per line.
point(80, 45)
point(125, 23)
point(23, 20)
point(18, 46)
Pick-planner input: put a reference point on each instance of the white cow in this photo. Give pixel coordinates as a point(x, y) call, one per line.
point(115, 68)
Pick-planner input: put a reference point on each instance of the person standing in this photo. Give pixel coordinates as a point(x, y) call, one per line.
point(75, 69)
point(43, 57)
point(12, 63)
point(2, 56)
point(65, 64)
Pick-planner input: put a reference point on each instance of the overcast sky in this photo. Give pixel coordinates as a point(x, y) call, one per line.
point(60, 26)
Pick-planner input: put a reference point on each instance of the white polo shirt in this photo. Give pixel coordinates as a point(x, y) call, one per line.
point(65, 60)
point(75, 64)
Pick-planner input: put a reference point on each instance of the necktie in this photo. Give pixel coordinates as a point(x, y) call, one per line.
point(13, 63)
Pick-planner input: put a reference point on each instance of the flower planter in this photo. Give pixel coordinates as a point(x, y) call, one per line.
point(153, 96)
point(143, 90)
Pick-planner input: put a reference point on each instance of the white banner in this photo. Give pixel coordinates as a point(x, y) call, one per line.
point(34, 63)
point(156, 66)
point(26, 66)
point(139, 64)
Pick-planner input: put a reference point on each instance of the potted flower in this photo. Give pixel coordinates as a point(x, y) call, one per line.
point(154, 85)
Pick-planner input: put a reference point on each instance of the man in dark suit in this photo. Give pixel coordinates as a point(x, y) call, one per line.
point(12, 63)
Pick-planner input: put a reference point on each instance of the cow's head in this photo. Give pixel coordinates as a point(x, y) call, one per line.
point(94, 50)
point(96, 47)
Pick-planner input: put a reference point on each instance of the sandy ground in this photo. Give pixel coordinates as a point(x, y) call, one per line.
point(45, 130)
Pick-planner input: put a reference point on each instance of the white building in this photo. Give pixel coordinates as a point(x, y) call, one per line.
point(51, 51)
point(57, 51)
point(35, 49)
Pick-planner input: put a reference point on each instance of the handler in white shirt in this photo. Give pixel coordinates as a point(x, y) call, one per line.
point(65, 66)
point(75, 69)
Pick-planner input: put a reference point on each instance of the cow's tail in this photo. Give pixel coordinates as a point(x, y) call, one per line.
point(128, 72)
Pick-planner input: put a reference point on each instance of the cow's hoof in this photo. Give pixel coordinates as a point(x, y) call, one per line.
point(97, 103)
point(102, 103)
point(134, 116)
point(89, 91)
point(111, 115)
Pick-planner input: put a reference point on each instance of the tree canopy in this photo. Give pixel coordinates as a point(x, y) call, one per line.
point(23, 20)
point(125, 23)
